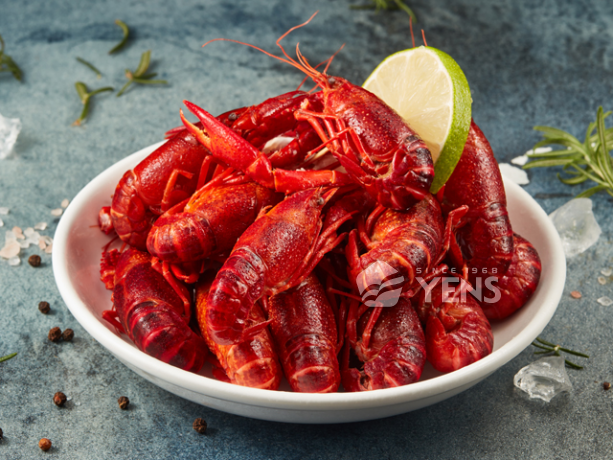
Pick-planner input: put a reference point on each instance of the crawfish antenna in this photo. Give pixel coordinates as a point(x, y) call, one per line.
point(300, 64)
point(423, 35)
point(411, 26)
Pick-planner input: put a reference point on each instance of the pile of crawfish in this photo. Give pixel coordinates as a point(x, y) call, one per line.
point(257, 236)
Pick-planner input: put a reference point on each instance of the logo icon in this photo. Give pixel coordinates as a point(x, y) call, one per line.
point(380, 285)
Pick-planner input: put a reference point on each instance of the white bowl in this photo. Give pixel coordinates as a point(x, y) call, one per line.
point(76, 256)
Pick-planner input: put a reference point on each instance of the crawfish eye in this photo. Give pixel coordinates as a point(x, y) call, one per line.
point(331, 80)
point(320, 201)
point(232, 116)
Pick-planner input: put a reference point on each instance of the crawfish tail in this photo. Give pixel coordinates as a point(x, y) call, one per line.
point(304, 329)
point(457, 331)
point(150, 310)
point(517, 284)
point(212, 221)
point(486, 238)
point(252, 363)
point(272, 255)
point(395, 354)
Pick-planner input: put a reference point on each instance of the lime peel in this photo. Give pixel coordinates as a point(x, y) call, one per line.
point(430, 91)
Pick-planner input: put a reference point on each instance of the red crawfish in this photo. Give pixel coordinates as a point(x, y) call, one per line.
point(210, 222)
point(251, 363)
point(369, 139)
point(304, 329)
point(166, 177)
point(275, 253)
point(457, 331)
point(485, 239)
point(389, 341)
point(409, 242)
point(149, 310)
point(517, 284)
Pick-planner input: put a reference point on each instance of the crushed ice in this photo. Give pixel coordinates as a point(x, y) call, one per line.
point(544, 378)
point(9, 130)
point(519, 176)
point(577, 226)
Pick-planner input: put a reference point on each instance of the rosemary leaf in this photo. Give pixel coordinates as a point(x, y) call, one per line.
point(581, 161)
point(124, 40)
point(7, 357)
point(81, 91)
point(143, 65)
point(125, 87)
point(90, 66)
point(143, 81)
point(7, 64)
point(386, 5)
point(86, 97)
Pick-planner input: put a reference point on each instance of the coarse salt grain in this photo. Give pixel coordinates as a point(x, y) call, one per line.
point(49, 249)
point(18, 233)
point(14, 261)
point(40, 226)
point(47, 239)
point(575, 294)
point(602, 280)
point(65, 203)
point(605, 301)
point(1, 223)
point(4, 211)
point(57, 212)
point(606, 271)
point(41, 244)
point(10, 249)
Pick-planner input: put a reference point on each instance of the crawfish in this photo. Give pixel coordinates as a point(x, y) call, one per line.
point(253, 362)
point(369, 139)
point(275, 253)
point(517, 284)
point(150, 312)
point(457, 331)
point(485, 239)
point(409, 242)
point(211, 222)
point(304, 329)
point(389, 341)
point(166, 177)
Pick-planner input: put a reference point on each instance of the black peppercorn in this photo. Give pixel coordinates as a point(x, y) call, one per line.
point(55, 334)
point(68, 335)
point(606, 385)
point(44, 307)
point(34, 260)
point(124, 402)
point(200, 425)
point(59, 399)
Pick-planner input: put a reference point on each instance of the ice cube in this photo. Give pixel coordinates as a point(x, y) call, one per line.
point(9, 130)
point(519, 176)
point(577, 226)
point(544, 378)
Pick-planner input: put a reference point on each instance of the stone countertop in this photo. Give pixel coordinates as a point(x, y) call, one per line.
point(527, 65)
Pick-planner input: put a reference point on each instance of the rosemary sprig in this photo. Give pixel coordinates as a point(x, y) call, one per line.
point(556, 349)
point(386, 5)
point(85, 97)
point(7, 64)
point(124, 40)
point(90, 66)
point(589, 160)
point(7, 357)
point(140, 76)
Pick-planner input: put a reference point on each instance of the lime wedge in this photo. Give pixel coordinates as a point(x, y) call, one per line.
point(429, 90)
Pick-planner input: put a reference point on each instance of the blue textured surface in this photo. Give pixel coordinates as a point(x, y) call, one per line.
point(526, 64)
